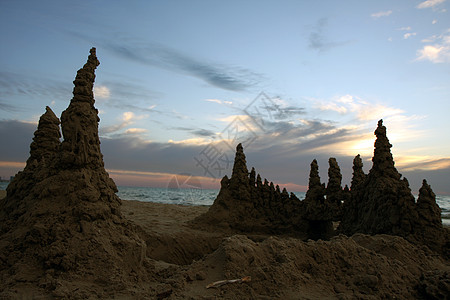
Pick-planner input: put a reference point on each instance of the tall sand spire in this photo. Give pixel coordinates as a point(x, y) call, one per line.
point(79, 122)
point(61, 216)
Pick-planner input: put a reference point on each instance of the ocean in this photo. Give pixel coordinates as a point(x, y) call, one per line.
point(206, 197)
point(195, 196)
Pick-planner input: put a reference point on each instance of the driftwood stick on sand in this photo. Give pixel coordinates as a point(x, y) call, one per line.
point(223, 282)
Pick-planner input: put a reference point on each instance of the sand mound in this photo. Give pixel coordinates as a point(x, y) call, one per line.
point(361, 267)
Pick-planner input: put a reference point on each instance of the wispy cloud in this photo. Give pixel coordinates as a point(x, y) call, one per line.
point(193, 141)
point(128, 118)
point(204, 132)
point(135, 130)
point(8, 107)
point(13, 84)
point(218, 75)
point(380, 14)
point(413, 163)
point(226, 102)
point(223, 76)
point(197, 131)
point(430, 4)
point(408, 35)
point(439, 51)
point(363, 110)
point(318, 40)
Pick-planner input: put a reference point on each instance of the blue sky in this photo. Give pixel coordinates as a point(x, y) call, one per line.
point(181, 82)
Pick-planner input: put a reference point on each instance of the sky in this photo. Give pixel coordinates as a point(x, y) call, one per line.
point(181, 83)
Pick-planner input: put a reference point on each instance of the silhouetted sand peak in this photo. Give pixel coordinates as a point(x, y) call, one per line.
point(247, 204)
point(61, 217)
point(358, 174)
point(382, 202)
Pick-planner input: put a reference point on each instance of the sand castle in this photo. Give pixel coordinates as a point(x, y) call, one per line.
point(382, 203)
point(63, 234)
point(60, 221)
point(378, 203)
point(247, 204)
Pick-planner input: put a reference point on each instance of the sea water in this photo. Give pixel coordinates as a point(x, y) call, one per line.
point(206, 197)
point(194, 196)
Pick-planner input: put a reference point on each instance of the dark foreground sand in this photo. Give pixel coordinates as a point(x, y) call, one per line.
point(185, 260)
point(360, 267)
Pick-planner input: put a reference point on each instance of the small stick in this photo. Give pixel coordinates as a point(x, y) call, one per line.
point(223, 282)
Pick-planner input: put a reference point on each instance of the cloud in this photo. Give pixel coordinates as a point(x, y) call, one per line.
point(128, 118)
point(363, 110)
point(429, 3)
point(381, 14)
point(193, 141)
point(280, 157)
point(439, 52)
point(282, 154)
point(125, 94)
point(8, 107)
point(101, 92)
point(318, 39)
point(408, 35)
point(15, 84)
point(425, 163)
point(16, 137)
point(221, 76)
point(364, 114)
point(201, 132)
point(214, 101)
point(435, 54)
point(158, 55)
point(219, 101)
point(135, 130)
point(204, 132)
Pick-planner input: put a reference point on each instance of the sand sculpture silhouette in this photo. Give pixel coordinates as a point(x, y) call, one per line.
point(378, 203)
point(247, 204)
point(61, 220)
point(382, 203)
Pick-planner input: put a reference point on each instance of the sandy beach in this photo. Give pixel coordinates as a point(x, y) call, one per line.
point(186, 260)
point(363, 267)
